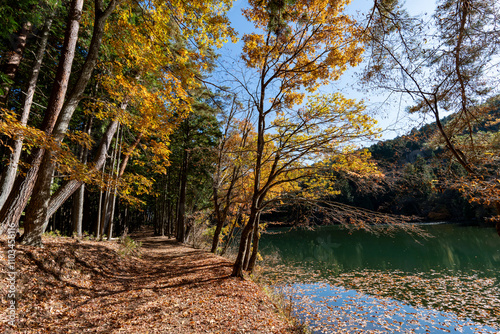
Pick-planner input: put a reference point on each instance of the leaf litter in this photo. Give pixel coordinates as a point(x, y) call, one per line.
point(375, 301)
point(74, 286)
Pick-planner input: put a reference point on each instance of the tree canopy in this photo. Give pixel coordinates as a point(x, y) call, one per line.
point(119, 113)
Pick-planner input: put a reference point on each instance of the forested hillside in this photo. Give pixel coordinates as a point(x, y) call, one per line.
point(419, 178)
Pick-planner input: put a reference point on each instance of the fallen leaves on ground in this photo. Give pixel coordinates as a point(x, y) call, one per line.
point(74, 286)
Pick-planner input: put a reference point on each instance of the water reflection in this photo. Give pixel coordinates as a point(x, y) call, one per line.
point(457, 271)
point(461, 248)
point(332, 309)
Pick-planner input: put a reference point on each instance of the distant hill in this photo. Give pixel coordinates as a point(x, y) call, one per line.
point(415, 178)
point(415, 169)
point(406, 148)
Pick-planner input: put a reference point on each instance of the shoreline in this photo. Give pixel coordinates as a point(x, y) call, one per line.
point(74, 285)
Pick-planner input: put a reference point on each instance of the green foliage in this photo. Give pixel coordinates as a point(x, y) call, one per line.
point(129, 247)
point(13, 13)
point(209, 232)
point(55, 233)
point(279, 13)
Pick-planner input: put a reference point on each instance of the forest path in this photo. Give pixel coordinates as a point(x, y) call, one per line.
point(87, 287)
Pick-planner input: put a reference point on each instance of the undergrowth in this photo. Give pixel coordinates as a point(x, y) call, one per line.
point(129, 247)
point(285, 306)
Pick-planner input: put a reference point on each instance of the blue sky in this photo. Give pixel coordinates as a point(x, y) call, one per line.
point(388, 110)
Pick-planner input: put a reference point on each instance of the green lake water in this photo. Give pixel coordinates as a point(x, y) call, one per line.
point(355, 281)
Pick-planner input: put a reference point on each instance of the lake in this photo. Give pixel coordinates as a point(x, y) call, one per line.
point(353, 281)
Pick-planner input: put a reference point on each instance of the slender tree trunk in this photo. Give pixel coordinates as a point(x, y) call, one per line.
point(113, 195)
point(111, 213)
point(239, 262)
point(221, 216)
point(99, 215)
point(36, 214)
point(220, 221)
point(168, 205)
point(248, 250)
point(170, 219)
point(256, 197)
point(17, 200)
point(255, 242)
point(119, 218)
point(158, 217)
point(14, 58)
point(164, 217)
point(9, 173)
point(126, 157)
point(78, 199)
point(125, 221)
point(181, 210)
point(231, 232)
point(105, 213)
point(77, 215)
point(104, 221)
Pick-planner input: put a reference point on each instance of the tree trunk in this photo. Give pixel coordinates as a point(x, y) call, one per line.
point(248, 250)
point(104, 221)
point(256, 196)
point(126, 156)
point(231, 233)
point(181, 210)
point(163, 206)
point(37, 212)
point(255, 242)
point(110, 209)
point(170, 220)
point(15, 204)
point(99, 216)
point(14, 58)
point(105, 213)
point(32, 231)
point(125, 221)
point(239, 262)
point(222, 216)
point(111, 212)
point(77, 213)
point(220, 222)
point(9, 173)
point(78, 199)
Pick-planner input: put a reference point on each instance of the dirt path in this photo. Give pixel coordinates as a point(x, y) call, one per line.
point(78, 287)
